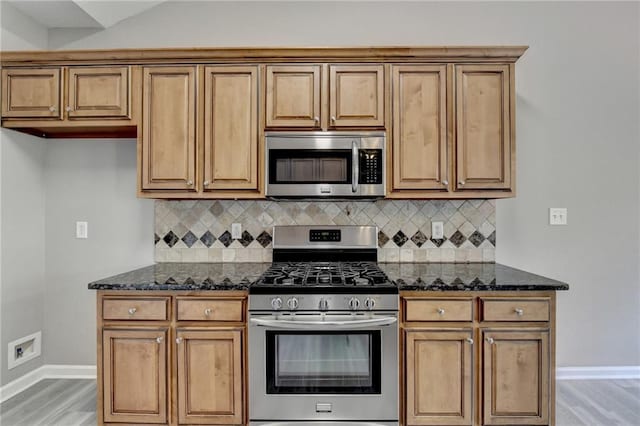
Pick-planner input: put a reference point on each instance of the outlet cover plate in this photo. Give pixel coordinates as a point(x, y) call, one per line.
point(557, 216)
point(437, 230)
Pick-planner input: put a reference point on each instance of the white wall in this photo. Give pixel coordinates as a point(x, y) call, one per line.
point(21, 212)
point(93, 181)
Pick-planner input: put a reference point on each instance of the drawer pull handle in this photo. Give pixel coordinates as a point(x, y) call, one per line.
point(490, 340)
point(159, 339)
point(207, 312)
point(519, 312)
point(178, 340)
point(440, 311)
point(132, 311)
point(470, 340)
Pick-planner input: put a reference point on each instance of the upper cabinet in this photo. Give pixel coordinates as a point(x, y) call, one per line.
point(484, 127)
point(98, 92)
point(325, 97)
point(31, 93)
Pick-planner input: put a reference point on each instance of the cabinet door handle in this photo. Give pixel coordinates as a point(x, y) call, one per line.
point(132, 311)
point(207, 312)
point(490, 340)
point(159, 339)
point(470, 340)
point(178, 340)
point(519, 312)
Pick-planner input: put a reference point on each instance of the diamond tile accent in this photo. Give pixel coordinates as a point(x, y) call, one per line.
point(457, 238)
point(155, 238)
point(419, 238)
point(189, 239)
point(492, 238)
point(399, 238)
point(246, 239)
point(438, 241)
point(476, 238)
point(171, 239)
point(225, 238)
point(264, 238)
point(382, 239)
point(208, 239)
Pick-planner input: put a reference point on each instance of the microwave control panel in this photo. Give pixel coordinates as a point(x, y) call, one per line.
point(370, 166)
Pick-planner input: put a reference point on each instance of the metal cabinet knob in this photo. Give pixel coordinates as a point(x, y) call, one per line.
point(445, 182)
point(178, 340)
point(333, 119)
point(159, 339)
point(206, 183)
point(132, 311)
point(68, 109)
point(519, 312)
point(208, 312)
point(316, 120)
point(189, 183)
point(440, 311)
point(470, 340)
point(490, 340)
point(52, 108)
point(461, 183)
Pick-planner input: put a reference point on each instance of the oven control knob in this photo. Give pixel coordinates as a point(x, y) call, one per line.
point(276, 304)
point(369, 303)
point(292, 303)
point(324, 304)
point(354, 304)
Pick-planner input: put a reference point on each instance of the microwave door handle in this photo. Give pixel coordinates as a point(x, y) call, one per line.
point(355, 167)
point(307, 325)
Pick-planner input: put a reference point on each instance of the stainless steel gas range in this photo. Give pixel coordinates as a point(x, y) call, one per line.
point(323, 332)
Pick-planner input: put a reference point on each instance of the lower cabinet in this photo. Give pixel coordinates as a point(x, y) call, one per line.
point(135, 375)
point(183, 366)
point(209, 376)
point(469, 370)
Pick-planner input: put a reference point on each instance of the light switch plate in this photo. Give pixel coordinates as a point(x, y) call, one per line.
point(557, 216)
point(236, 231)
point(82, 230)
point(437, 230)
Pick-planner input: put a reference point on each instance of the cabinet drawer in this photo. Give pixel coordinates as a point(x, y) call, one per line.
point(439, 310)
point(130, 308)
point(515, 309)
point(210, 310)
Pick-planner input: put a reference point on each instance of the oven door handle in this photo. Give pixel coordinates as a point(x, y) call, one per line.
point(307, 325)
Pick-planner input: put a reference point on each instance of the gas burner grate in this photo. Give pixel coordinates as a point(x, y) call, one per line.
point(324, 273)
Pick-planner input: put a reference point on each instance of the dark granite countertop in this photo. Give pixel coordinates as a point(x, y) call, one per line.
point(185, 276)
point(408, 276)
point(466, 277)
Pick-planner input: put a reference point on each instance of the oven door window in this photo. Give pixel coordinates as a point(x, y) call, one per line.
point(341, 362)
point(293, 166)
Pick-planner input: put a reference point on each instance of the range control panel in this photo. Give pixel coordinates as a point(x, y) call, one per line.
point(325, 235)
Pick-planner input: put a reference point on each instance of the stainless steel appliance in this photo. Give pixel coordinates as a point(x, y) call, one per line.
point(323, 332)
point(325, 164)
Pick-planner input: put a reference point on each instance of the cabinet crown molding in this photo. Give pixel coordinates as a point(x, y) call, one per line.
point(265, 54)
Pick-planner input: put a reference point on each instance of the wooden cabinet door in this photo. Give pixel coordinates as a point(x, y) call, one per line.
point(169, 128)
point(210, 377)
point(439, 377)
point(135, 375)
point(231, 128)
point(356, 95)
point(483, 127)
point(293, 96)
point(516, 373)
point(31, 93)
point(420, 127)
point(98, 92)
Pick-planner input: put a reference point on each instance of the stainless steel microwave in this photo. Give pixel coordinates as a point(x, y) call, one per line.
point(325, 164)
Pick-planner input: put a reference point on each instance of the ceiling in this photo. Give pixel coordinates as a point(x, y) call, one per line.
point(81, 13)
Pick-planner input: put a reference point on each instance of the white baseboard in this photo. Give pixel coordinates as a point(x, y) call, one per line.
point(48, 371)
point(584, 373)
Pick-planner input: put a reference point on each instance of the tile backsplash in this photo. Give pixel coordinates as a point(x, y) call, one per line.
point(200, 231)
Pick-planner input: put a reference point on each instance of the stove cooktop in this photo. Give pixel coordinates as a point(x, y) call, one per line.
point(327, 277)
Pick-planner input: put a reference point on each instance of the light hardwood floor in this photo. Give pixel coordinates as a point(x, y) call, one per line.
point(72, 402)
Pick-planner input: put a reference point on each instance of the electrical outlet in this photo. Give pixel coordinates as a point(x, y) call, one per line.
point(236, 231)
point(557, 216)
point(82, 230)
point(437, 230)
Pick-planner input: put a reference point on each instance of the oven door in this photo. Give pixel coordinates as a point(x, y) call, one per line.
point(324, 367)
point(321, 165)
